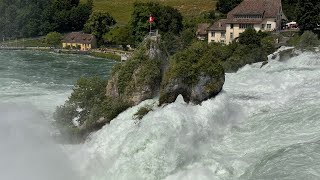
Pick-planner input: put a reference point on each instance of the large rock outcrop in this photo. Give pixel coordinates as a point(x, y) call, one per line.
point(140, 77)
point(206, 88)
point(194, 74)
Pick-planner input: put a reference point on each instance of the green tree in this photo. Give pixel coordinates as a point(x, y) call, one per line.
point(99, 23)
point(308, 40)
point(120, 36)
point(250, 37)
point(308, 16)
point(166, 19)
point(290, 8)
point(54, 38)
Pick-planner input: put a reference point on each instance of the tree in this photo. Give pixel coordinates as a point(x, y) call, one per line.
point(120, 36)
point(98, 24)
point(308, 40)
point(224, 6)
point(290, 8)
point(308, 16)
point(22, 18)
point(249, 37)
point(166, 19)
point(54, 38)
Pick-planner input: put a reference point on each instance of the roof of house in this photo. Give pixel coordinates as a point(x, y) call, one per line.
point(265, 8)
point(78, 37)
point(202, 29)
point(219, 25)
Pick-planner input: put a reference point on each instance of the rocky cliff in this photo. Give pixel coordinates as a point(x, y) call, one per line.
point(140, 77)
point(193, 73)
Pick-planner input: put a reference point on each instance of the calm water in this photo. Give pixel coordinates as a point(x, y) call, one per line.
point(45, 80)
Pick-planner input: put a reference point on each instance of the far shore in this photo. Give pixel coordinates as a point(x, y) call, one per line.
point(100, 53)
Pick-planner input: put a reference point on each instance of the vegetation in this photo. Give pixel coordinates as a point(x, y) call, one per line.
point(86, 105)
point(290, 8)
point(142, 112)
point(54, 39)
point(98, 24)
point(224, 6)
point(308, 40)
point(189, 64)
point(120, 36)
point(166, 19)
point(36, 18)
point(308, 16)
point(148, 71)
point(122, 9)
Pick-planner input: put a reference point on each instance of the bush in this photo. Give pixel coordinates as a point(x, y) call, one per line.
point(308, 40)
point(90, 105)
point(190, 63)
point(142, 112)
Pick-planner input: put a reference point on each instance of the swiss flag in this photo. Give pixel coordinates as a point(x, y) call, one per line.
point(151, 19)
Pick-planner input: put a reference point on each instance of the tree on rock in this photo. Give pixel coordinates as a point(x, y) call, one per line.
point(166, 19)
point(195, 73)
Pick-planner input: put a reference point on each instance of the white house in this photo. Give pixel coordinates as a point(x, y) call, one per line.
point(264, 15)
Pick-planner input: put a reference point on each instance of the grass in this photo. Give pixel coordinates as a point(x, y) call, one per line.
point(121, 10)
point(27, 42)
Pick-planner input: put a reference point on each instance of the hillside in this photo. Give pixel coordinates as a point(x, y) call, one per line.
point(122, 9)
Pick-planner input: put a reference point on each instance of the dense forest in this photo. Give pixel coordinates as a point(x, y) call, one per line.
point(27, 18)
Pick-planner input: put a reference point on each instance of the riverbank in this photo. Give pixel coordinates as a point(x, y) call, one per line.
point(110, 54)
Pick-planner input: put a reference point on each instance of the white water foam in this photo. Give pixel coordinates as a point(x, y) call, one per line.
point(27, 152)
point(243, 133)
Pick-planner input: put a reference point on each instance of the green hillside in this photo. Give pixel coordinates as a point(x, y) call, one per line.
point(122, 9)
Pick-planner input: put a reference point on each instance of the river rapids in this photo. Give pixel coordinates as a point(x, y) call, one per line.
point(265, 124)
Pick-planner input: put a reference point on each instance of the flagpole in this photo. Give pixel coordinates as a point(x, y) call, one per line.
point(150, 24)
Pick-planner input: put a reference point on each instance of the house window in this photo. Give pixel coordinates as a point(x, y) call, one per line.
point(263, 26)
point(212, 34)
point(268, 26)
point(231, 36)
point(246, 26)
point(231, 26)
point(223, 35)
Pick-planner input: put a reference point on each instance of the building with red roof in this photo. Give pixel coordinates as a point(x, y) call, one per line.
point(264, 15)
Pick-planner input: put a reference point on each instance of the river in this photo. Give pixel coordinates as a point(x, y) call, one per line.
point(263, 125)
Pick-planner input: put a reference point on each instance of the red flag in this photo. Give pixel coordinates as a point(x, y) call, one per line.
point(151, 19)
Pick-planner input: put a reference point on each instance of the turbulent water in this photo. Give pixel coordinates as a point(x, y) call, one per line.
point(264, 125)
point(32, 84)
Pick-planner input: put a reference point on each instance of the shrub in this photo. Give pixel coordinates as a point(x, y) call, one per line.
point(142, 112)
point(308, 40)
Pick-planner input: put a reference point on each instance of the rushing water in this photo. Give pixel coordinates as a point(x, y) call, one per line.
point(264, 125)
point(32, 84)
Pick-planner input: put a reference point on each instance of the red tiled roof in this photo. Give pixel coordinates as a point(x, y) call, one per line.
point(219, 25)
point(79, 37)
point(265, 8)
point(202, 29)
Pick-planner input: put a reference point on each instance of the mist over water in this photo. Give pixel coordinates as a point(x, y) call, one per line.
point(27, 152)
point(32, 84)
point(263, 125)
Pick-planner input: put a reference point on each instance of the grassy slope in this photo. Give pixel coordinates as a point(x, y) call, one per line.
point(122, 9)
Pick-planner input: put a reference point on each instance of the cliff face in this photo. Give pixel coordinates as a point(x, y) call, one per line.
point(194, 74)
point(191, 73)
point(140, 77)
